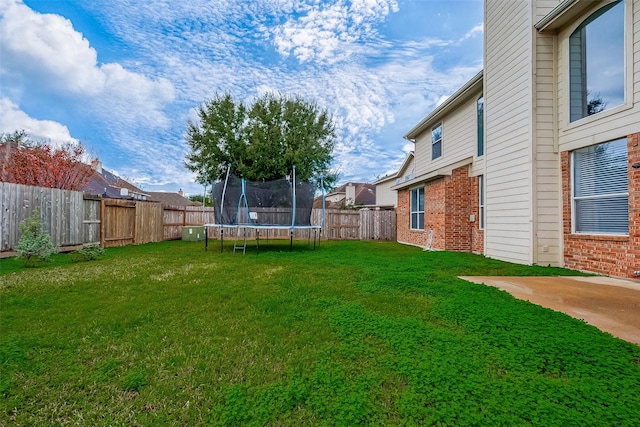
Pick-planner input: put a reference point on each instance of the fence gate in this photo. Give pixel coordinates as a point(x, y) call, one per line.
point(91, 220)
point(118, 222)
point(342, 225)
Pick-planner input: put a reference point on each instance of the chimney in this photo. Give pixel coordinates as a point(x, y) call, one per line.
point(180, 193)
point(350, 195)
point(96, 165)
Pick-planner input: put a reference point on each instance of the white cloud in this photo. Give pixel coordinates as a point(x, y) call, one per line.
point(476, 31)
point(13, 119)
point(45, 48)
point(329, 51)
point(327, 33)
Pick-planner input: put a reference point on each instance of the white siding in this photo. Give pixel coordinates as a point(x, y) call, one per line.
point(385, 196)
point(508, 98)
point(612, 124)
point(547, 207)
point(409, 169)
point(459, 138)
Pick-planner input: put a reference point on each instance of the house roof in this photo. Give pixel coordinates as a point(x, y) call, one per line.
point(451, 103)
point(171, 199)
point(564, 13)
point(400, 172)
point(365, 194)
point(438, 173)
point(109, 185)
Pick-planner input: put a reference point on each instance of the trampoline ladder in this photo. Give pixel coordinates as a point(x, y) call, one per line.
point(239, 246)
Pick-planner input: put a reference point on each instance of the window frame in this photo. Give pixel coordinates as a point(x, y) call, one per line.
point(481, 203)
point(569, 67)
point(480, 126)
point(576, 199)
point(417, 211)
point(436, 142)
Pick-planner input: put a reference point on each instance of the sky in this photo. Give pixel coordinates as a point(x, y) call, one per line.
point(124, 77)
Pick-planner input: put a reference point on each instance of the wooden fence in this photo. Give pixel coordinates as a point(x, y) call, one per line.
point(176, 217)
point(61, 211)
point(360, 225)
point(73, 219)
point(338, 225)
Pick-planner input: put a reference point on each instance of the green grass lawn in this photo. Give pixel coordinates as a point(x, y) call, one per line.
point(353, 333)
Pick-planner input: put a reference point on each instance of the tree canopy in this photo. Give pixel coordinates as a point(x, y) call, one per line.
point(28, 162)
point(261, 141)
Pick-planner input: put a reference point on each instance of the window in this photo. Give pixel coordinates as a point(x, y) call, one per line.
point(600, 189)
point(417, 209)
point(480, 114)
point(436, 142)
point(596, 62)
point(481, 201)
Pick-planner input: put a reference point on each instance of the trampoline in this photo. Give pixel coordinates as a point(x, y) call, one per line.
point(263, 206)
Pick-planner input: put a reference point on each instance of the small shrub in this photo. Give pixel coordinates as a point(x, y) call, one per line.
point(88, 253)
point(35, 244)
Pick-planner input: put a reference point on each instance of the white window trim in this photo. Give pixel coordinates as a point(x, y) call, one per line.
point(441, 141)
point(483, 127)
point(573, 202)
point(411, 212)
point(481, 203)
point(627, 104)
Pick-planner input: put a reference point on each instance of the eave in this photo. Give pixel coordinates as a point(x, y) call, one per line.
point(435, 174)
point(460, 96)
point(564, 13)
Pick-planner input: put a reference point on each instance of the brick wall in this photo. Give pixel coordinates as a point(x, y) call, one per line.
point(477, 235)
point(403, 222)
point(448, 203)
point(458, 208)
point(610, 255)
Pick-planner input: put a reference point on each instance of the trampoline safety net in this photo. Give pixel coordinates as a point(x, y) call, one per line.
point(268, 203)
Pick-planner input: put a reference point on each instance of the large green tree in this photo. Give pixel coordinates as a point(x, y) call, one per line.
point(261, 141)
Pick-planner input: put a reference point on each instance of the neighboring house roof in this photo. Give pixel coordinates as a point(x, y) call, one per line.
point(109, 185)
point(171, 199)
point(364, 194)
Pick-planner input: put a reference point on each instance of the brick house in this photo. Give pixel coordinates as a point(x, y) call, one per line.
point(537, 159)
point(438, 207)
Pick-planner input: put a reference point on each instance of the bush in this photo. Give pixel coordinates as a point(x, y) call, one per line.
point(35, 244)
point(88, 253)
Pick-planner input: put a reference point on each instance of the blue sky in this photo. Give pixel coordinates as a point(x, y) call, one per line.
point(124, 77)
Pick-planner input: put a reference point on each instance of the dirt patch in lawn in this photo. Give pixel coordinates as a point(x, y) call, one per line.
point(612, 305)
